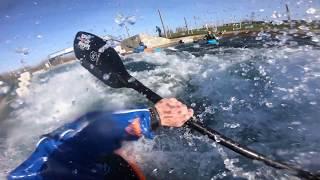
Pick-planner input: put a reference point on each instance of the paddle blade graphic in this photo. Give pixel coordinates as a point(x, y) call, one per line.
point(100, 60)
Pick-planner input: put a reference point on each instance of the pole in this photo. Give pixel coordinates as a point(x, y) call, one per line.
point(185, 21)
point(168, 31)
point(288, 14)
point(164, 30)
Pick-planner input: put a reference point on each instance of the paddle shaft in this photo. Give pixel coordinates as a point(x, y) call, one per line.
point(221, 139)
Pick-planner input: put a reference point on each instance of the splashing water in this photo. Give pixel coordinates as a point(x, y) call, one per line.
point(263, 97)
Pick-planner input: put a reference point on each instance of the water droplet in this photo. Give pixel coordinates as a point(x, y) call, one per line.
point(16, 104)
point(258, 38)
point(311, 11)
point(315, 39)
point(106, 76)
point(303, 27)
point(313, 102)
point(269, 104)
point(171, 170)
point(296, 123)
point(217, 139)
point(193, 105)
point(232, 99)
point(4, 90)
point(91, 66)
point(132, 79)
point(232, 125)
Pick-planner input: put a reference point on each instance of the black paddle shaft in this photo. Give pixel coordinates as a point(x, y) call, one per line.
point(221, 139)
point(105, 64)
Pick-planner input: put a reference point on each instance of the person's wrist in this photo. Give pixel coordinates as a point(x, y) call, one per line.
point(155, 118)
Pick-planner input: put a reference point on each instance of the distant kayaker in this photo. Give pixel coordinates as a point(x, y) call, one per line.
point(158, 29)
point(210, 36)
point(141, 47)
point(90, 147)
point(141, 44)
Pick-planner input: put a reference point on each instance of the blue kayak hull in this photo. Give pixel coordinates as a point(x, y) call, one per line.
point(213, 42)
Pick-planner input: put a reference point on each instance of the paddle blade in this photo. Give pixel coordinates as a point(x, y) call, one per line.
point(100, 60)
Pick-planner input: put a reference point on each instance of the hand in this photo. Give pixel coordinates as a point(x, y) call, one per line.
point(172, 112)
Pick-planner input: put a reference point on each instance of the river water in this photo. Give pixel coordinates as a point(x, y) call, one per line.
point(262, 91)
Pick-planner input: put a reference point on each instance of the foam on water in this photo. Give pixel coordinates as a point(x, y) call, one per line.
point(244, 93)
point(263, 97)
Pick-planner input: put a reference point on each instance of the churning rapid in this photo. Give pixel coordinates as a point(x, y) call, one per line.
point(263, 92)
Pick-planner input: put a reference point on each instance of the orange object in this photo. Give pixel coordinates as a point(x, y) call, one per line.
point(149, 50)
point(134, 128)
point(133, 164)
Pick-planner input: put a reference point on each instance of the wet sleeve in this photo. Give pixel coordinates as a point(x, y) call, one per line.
point(82, 141)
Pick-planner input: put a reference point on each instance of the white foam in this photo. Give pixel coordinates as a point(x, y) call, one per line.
point(4, 90)
point(66, 92)
point(311, 11)
point(61, 98)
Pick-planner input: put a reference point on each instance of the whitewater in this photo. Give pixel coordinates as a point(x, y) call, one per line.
point(264, 95)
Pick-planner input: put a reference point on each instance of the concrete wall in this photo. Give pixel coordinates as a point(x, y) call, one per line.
point(153, 41)
point(149, 41)
point(130, 43)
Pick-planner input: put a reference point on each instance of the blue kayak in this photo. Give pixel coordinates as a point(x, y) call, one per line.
point(139, 49)
point(213, 42)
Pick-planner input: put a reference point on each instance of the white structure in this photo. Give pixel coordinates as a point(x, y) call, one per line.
point(60, 53)
point(149, 41)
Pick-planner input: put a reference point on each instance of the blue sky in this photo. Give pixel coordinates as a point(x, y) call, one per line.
point(46, 26)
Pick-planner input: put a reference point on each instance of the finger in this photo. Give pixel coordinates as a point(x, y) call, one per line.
point(176, 102)
point(173, 102)
point(186, 117)
point(170, 104)
point(184, 109)
point(179, 103)
point(161, 101)
point(178, 124)
point(172, 99)
point(167, 111)
point(168, 117)
point(190, 112)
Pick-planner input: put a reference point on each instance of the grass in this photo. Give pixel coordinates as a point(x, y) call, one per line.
point(246, 26)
